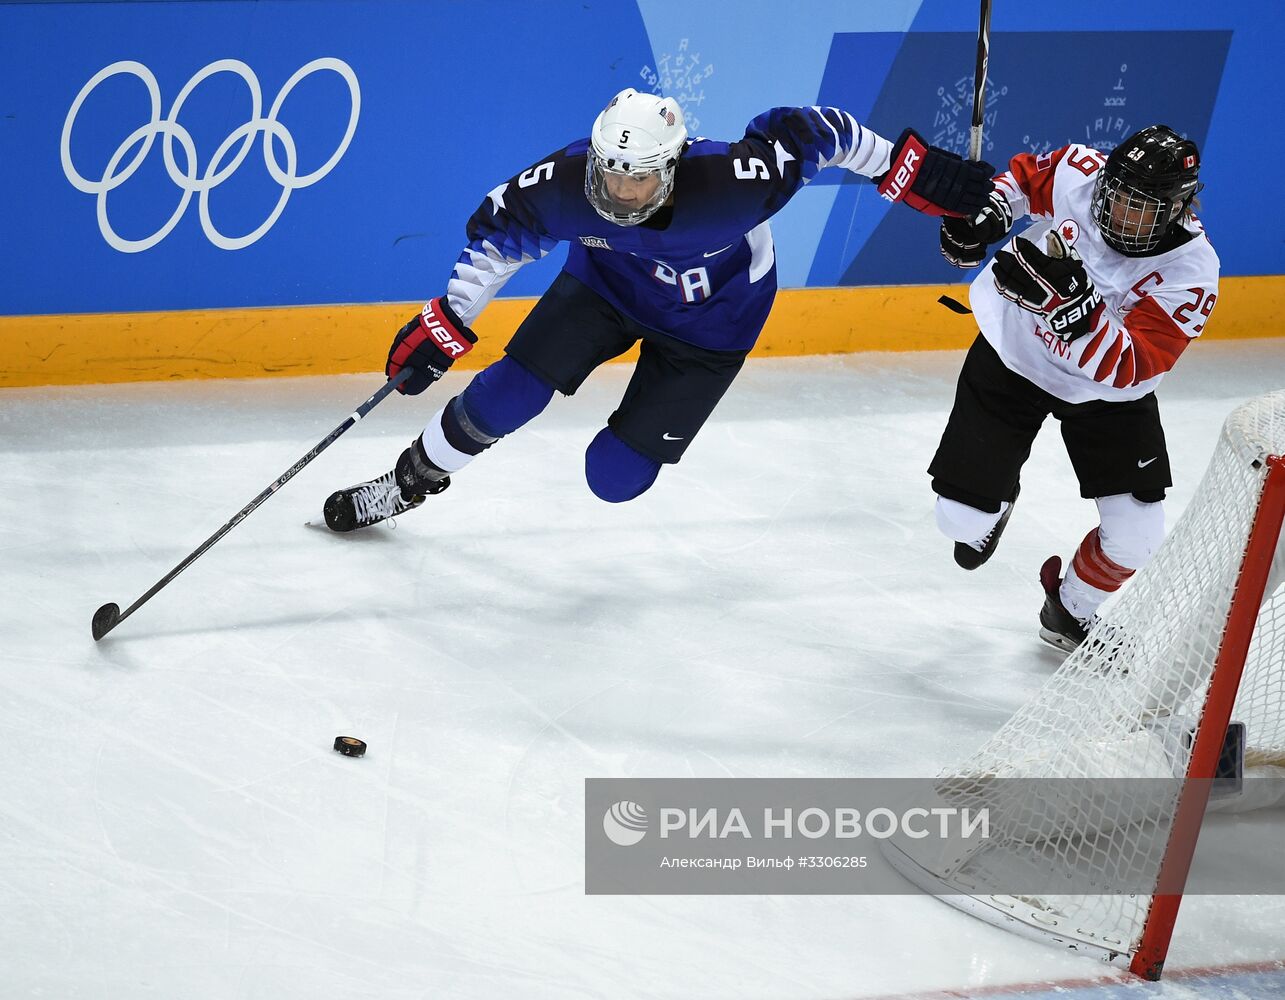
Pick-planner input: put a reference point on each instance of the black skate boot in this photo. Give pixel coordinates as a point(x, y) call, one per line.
point(969, 557)
point(402, 488)
point(1058, 627)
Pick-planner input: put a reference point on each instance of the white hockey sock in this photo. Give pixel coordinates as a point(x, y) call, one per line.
point(1080, 598)
point(1131, 530)
point(439, 450)
point(962, 523)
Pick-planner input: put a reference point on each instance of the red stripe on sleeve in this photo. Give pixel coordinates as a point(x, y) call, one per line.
point(1034, 175)
point(1107, 365)
point(1094, 344)
point(1124, 373)
point(1157, 339)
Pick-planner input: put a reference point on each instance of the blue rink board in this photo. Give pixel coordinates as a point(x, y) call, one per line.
point(455, 98)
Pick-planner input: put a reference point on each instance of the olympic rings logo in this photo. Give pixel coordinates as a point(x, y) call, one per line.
point(216, 172)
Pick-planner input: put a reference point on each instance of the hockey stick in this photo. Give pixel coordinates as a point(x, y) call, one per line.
point(979, 109)
point(109, 616)
point(979, 81)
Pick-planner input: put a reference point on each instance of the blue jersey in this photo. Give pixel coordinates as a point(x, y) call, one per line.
point(703, 268)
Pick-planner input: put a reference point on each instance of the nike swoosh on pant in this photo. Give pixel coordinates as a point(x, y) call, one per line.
point(1143, 465)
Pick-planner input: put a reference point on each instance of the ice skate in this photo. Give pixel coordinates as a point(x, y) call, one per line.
point(1058, 627)
point(397, 491)
point(969, 556)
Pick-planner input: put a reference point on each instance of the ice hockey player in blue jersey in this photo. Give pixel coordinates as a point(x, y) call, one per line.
point(670, 246)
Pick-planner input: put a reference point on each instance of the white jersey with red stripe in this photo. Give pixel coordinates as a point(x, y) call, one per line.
point(1155, 305)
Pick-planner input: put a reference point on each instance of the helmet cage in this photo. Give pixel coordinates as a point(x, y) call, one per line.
point(1130, 219)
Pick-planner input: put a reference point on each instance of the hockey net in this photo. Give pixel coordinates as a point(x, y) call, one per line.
point(1197, 639)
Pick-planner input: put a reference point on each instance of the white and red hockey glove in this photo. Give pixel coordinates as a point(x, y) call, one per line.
point(934, 181)
point(964, 241)
point(1055, 285)
point(429, 344)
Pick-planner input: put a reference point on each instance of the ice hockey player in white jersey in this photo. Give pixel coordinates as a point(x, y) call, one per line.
point(1080, 317)
point(670, 246)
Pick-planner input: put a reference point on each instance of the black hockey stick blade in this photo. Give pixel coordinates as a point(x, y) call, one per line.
point(954, 305)
point(105, 619)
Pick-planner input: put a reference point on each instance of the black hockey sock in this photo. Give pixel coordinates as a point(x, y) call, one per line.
point(461, 432)
point(416, 473)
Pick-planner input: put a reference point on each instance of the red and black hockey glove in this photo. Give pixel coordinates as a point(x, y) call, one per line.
point(964, 241)
point(934, 181)
point(1055, 285)
point(429, 344)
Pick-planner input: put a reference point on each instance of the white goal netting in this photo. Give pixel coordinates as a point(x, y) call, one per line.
point(1126, 705)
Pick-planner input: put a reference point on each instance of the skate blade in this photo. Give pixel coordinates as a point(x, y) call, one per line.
point(365, 531)
point(1058, 640)
point(320, 525)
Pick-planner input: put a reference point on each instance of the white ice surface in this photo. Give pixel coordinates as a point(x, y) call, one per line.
point(173, 822)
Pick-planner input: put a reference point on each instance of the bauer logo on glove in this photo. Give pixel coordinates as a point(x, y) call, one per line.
point(1054, 285)
point(932, 180)
point(446, 336)
point(429, 344)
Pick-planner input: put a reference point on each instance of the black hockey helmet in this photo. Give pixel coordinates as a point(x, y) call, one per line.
point(1146, 186)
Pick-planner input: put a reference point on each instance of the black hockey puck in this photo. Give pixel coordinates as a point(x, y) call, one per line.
point(350, 746)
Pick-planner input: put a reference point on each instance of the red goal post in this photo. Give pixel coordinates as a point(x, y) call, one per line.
point(1247, 602)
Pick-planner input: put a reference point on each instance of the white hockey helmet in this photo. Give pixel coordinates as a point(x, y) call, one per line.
point(637, 136)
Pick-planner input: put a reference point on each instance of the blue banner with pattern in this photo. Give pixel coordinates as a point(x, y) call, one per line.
point(179, 155)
